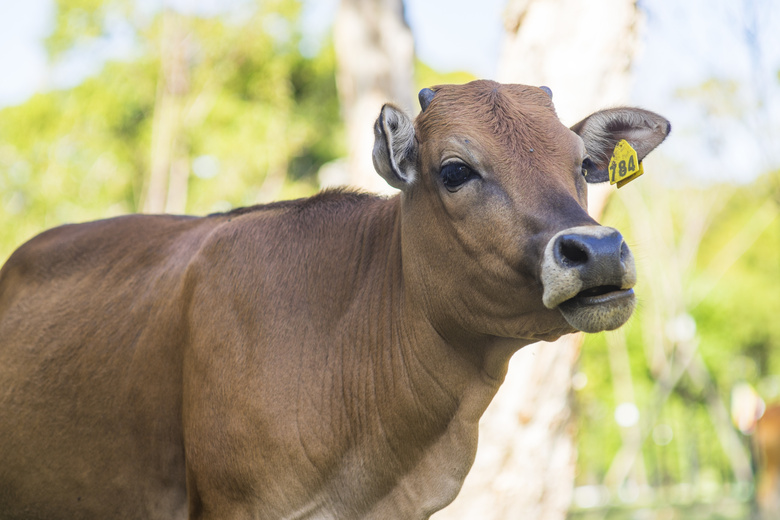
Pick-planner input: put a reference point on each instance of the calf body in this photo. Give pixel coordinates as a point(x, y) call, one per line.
point(297, 395)
point(322, 358)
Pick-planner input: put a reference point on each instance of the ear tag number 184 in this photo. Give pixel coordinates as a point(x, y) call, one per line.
point(624, 166)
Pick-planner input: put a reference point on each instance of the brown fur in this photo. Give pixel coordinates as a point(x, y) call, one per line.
point(322, 358)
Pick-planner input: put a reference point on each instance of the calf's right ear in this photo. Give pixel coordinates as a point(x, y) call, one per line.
point(395, 147)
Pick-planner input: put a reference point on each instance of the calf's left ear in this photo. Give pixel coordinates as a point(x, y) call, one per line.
point(395, 148)
point(601, 131)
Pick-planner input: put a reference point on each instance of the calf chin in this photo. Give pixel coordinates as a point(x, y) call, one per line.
point(611, 312)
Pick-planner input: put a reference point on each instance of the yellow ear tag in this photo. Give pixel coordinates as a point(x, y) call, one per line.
point(624, 166)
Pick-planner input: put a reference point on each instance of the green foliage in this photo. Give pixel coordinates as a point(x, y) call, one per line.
point(426, 77)
point(67, 156)
point(255, 110)
point(731, 289)
point(738, 321)
point(80, 21)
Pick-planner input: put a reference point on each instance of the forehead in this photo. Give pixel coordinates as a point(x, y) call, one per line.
point(515, 118)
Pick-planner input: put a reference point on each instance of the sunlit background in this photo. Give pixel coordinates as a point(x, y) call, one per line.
point(666, 408)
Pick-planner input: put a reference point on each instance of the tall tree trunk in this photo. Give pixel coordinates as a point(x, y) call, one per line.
point(525, 465)
point(375, 58)
point(166, 188)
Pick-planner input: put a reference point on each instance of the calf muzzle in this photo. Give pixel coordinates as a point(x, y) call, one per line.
point(588, 274)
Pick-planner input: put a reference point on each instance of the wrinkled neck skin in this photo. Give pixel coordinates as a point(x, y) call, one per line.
point(427, 382)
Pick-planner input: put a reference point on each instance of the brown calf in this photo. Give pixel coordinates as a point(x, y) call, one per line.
point(767, 446)
point(323, 358)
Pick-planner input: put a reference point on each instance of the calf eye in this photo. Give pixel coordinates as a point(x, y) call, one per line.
point(587, 164)
point(453, 175)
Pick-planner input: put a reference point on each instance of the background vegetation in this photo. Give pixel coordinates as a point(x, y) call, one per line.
point(256, 113)
point(703, 344)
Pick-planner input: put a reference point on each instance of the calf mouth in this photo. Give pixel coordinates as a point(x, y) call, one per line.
point(600, 295)
point(605, 307)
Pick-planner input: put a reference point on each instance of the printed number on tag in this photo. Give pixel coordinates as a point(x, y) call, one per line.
point(624, 165)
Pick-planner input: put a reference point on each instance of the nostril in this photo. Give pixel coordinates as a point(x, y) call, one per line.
point(571, 253)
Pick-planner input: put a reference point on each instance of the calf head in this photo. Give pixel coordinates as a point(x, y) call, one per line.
point(496, 237)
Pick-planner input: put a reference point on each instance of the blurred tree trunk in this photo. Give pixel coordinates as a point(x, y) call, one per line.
point(525, 465)
point(166, 188)
point(375, 64)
